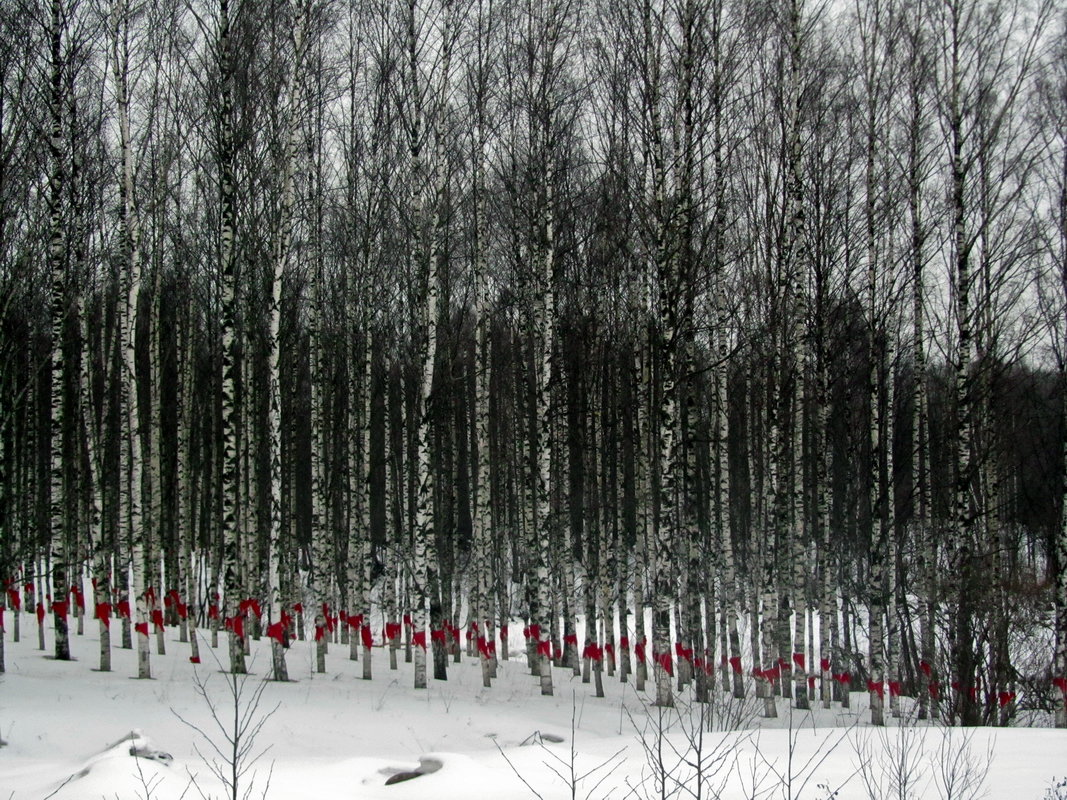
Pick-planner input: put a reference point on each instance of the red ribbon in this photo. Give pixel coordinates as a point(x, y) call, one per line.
point(103, 613)
point(123, 609)
point(503, 631)
point(29, 587)
point(784, 665)
point(774, 673)
point(894, 688)
point(798, 659)
point(559, 652)
point(437, 636)
point(407, 620)
point(14, 599)
point(141, 627)
point(213, 611)
point(926, 668)
point(150, 596)
point(735, 663)
point(194, 659)
point(1005, 698)
point(392, 630)
point(59, 607)
point(276, 631)
point(368, 637)
point(824, 664)
point(237, 625)
point(843, 678)
point(811, 682)
point(533, 632)
point(624, 643)
point(40, 613)
point(79, 598)
point(1061, 684)
point(639, 651)
point(2, 610)
point(419, 639)
point(298, 608)
point(544, 648)
point(571, 639)
point(320, 632)
point(935, 690)
point(609, 648)
point(483, 648)
point(877, 687)
point(183, 611)
point(251, 604)
point(592, 652)
point(973, 692)
point(492, 649)
point(157, 618)
point(664, 660)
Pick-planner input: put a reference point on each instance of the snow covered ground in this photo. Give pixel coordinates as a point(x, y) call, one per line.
point(67, 731)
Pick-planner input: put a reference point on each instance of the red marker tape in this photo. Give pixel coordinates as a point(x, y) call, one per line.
point(276, 631)
point(368, 637)
point(894, 688)
point(624, 643)
point(1005, 698)
point(544, 648)
point(571, 639)
point(735, 663)
point(664, 660)
point(825, 664)
point(877, 687)
point(503, 631)
point(419, 639)
point(103, 613)
point(926, 668)
point(141, 628)
point(40, 613)
point(798, 659)
point(935, 690)
point(157, 618)
point(59, 607)
point(123, 609)
point(320, 632)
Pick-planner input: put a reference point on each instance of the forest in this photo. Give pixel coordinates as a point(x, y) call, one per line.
point(735, 329)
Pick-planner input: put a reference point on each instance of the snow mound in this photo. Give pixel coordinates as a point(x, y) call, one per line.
point(124, 768)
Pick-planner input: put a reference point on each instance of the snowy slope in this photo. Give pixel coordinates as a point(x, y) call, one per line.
point(70, 730)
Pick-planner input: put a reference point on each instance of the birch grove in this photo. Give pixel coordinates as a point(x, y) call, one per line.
point(708, 345)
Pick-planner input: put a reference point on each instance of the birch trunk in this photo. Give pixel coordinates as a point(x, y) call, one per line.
point(229, 468)
point(57, 269)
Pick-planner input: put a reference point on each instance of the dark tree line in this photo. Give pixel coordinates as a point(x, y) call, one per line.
point(371, 322)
